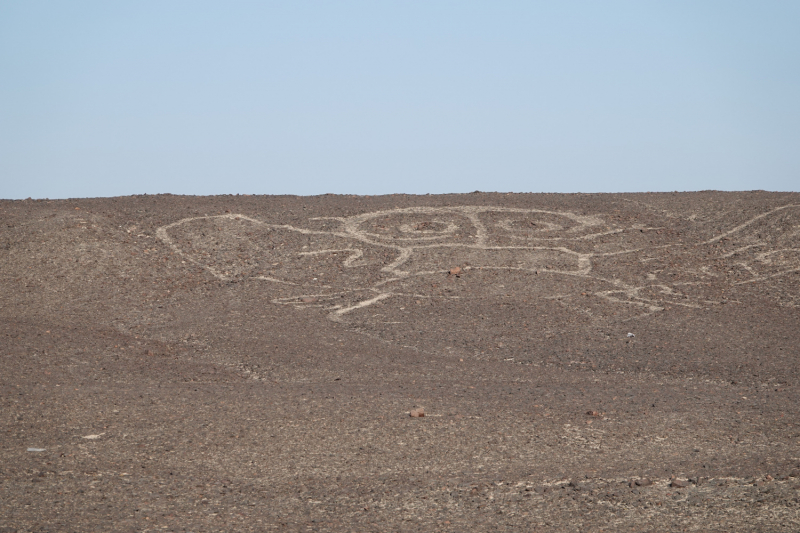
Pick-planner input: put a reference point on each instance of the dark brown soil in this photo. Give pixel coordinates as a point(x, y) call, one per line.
point(249, 363)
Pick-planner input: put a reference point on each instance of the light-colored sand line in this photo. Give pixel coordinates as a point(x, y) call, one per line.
point(763, 278)
point(335, 315)
point(748, 223)
point(355, 254)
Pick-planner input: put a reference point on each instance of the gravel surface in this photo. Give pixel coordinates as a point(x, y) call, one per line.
point(475, 362)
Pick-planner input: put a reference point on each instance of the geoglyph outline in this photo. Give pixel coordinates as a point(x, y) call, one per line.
point(350, 228)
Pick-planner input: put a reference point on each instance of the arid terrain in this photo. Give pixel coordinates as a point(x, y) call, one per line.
point(584, 362)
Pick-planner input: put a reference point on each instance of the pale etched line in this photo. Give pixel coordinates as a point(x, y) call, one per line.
point(477, 209)
point(749, 269)
point(325, 295)
point(670, 214)
point(161, 233)
point(652, 309)
point(592, 236)
point(423, 296)
point(451, 228)
point(305, 231)
point(683, 304)
point(274, 280)
point(355, 253)
point(390, 280)
point(420, 273)
point(749, 222)
point(584, 260)
point(336, 315)
point(763, 255)
point(403, 256)
point(588, 237)
point(731, 254)
point(480, 229)
point(762, 278)
point(549, 226)
point(577, 273)
point(606, 254)
point(483, 247)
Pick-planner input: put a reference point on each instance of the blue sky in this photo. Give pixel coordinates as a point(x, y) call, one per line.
point(117, 98)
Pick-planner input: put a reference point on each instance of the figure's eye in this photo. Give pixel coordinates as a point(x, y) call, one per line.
point(417, 226)
point(537, 224)
point(530, 224)
point(533, 222)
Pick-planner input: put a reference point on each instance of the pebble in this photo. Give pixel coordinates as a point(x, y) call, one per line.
point(417, 413)
point(679, 484)
point(455, 271)
point(644, 482)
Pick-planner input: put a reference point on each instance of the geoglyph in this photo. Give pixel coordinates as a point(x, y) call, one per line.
point(345, 264)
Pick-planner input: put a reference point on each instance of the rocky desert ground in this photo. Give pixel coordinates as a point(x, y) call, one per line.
point(472, 362)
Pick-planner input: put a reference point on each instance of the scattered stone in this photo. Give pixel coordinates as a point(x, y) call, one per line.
point(593, 413)
point(455, 271)
point(417, 413)
point(581, 487)
point(644, 482)
point(679, 484)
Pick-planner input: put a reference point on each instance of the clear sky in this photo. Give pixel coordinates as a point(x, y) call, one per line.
point(309, 97)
